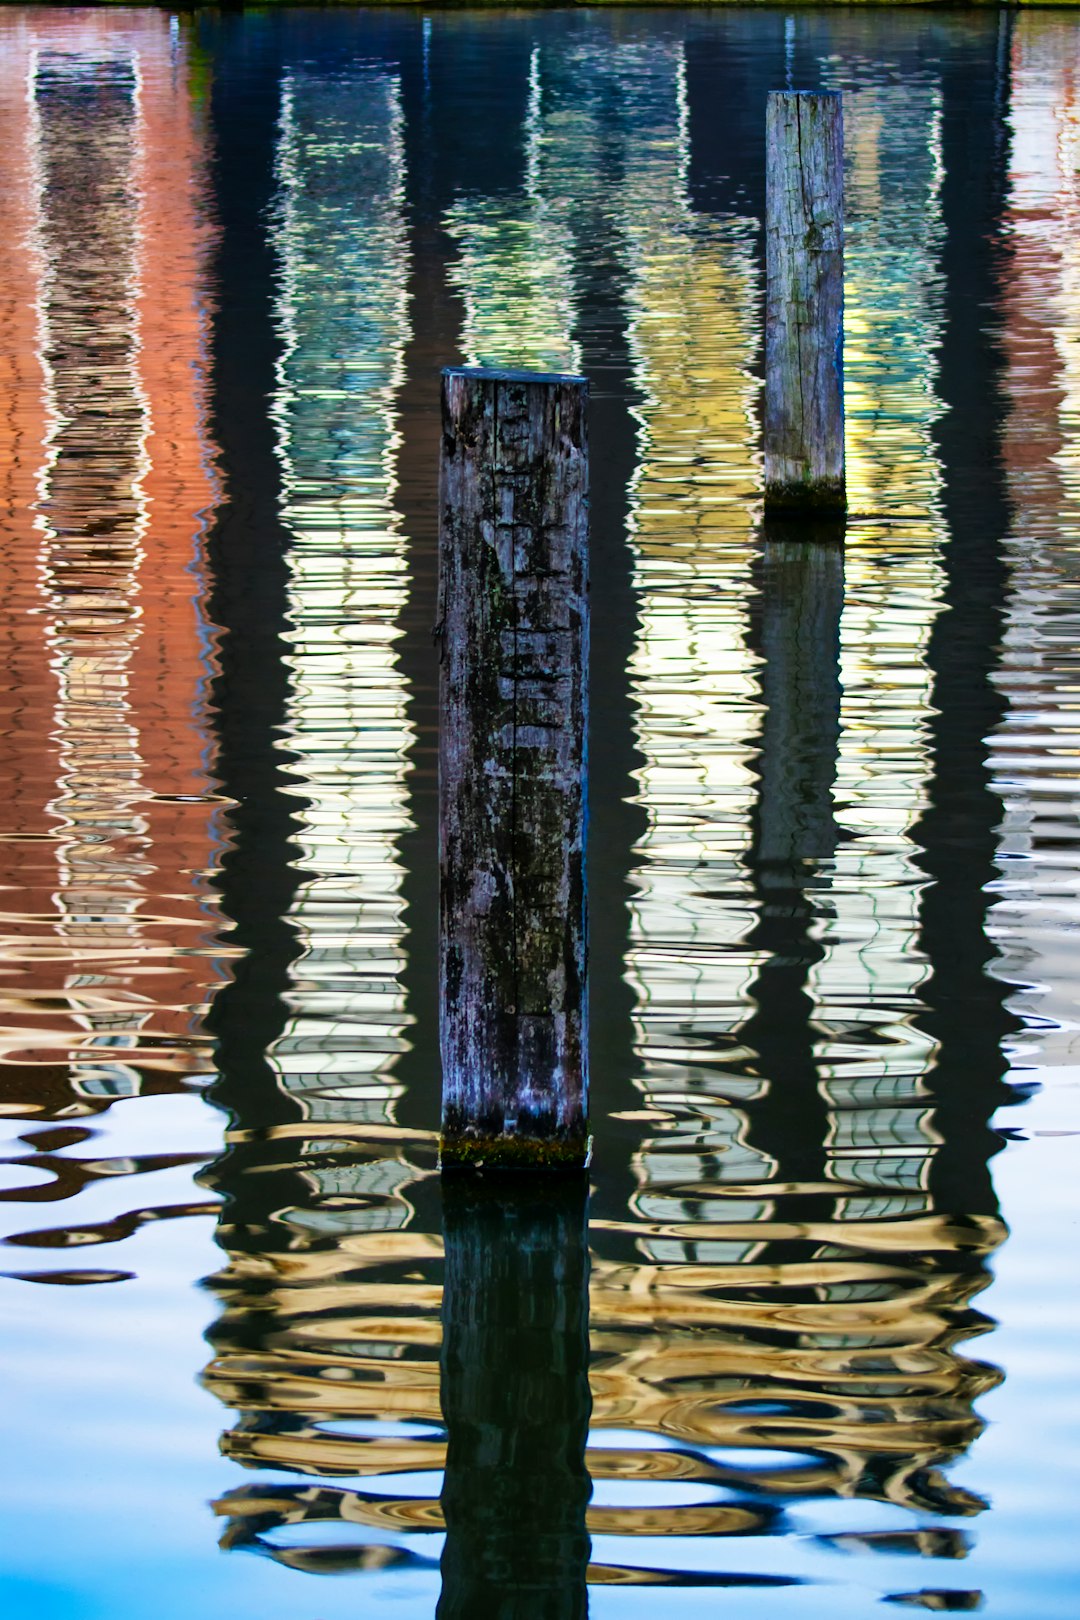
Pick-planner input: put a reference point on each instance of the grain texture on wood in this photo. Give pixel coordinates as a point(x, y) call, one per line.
point(514, 634)
point(804, 303)
point(514, 1386)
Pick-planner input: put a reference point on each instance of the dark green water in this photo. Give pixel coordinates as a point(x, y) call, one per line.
point(807, 1342)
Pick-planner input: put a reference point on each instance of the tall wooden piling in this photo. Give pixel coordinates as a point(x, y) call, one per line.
point(804, 315)
point(514, 637)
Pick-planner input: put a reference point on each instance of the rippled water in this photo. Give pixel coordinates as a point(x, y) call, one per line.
point(809, 1341)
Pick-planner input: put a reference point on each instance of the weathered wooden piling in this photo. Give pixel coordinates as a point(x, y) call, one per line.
point(514, 637)
point(804, 314)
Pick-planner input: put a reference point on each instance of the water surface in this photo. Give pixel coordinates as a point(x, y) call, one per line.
point(804, 1346)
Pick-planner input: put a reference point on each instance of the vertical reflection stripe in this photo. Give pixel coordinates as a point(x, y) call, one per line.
point(343, 316)
point(515, 270)
point(110, 934)
point(325, 1327)
point(94, 518)
point(1034, 751)
point(120, 839)
point(693, 316)
point(872, 1056)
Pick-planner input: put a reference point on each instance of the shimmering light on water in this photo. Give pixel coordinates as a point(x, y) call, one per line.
point(834, 834)
point(113, 941)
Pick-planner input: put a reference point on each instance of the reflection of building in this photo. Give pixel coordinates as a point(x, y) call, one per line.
point(867, 984)
point(516, 267)
point(1041, 278)
point(692, 318)
point(324, 1327)
point(343, 318)
point(1035, 771)
point(111, 957)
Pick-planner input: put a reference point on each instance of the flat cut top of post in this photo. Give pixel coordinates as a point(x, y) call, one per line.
point(817, 95)
point(499, 374)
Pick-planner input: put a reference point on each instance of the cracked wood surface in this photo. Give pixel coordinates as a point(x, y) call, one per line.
point(804, 302)
point(514, 631)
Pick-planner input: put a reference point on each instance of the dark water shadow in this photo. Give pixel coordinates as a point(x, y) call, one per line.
point(795, 629)
point(966, 1005)
point(247, 553)
point(516, 1399)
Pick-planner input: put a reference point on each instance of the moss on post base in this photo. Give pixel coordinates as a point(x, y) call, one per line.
point(816, 497)
point(473, 1150)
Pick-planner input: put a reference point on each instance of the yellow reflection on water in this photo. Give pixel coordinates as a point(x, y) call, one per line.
point(693, 311)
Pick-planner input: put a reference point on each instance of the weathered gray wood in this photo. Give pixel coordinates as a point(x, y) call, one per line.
point(514, 631)
point(515, 1395)
point(804, 313)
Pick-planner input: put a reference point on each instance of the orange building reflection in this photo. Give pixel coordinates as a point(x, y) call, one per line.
point(113, 825)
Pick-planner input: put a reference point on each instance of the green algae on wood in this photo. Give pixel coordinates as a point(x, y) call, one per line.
point(815, 497)
point(472, 1150)
point(513, 632)
point(804, 303)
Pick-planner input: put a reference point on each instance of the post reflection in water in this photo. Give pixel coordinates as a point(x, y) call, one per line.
point(795, 630)
point(515, 1398)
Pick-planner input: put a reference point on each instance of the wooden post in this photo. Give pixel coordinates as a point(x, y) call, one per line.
point(515, 1395)
point(514, 633)
point(804, 314)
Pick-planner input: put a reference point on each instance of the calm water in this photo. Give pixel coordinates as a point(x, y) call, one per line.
point(811, 1342)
